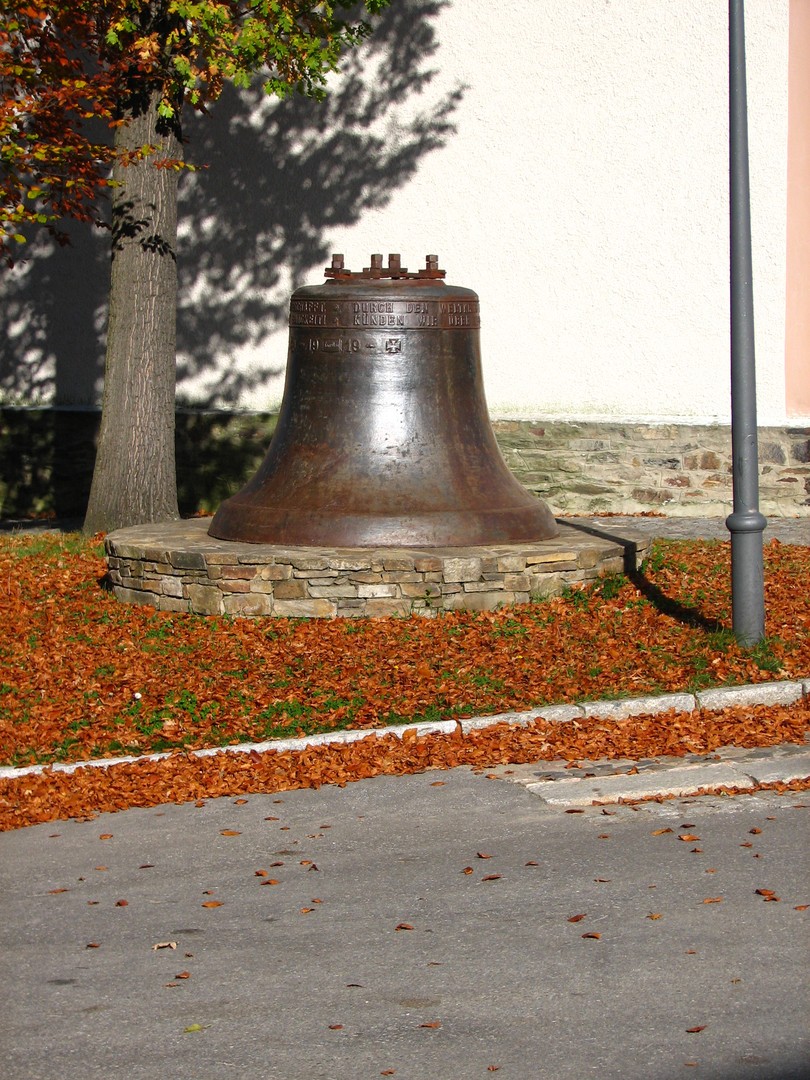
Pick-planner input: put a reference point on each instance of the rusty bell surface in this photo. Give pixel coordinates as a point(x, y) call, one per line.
point(383, 439)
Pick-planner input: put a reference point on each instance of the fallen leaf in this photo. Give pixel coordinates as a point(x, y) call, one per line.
point(602, 879)
point(755, 831)
point(146, 866)
point(438, 783)
point(592, 934)
point(654, 915)
point(491, 877)
point(660, 832)
point(212, 903)
point(689, 837)
point(239, 802)
point(306, 910)
point(183, 975)
point(767, 894)
point(193, 1027)
point(53, 892)
point(695, 1030)
point(574, 810)
point(92, 945)
point(229, 832)
point(336, 1027)
point(388, 1072)
point(270, 881)
point(801, 907)
point(482, 855)
point(713, 900)
point(106, 836)
point(576, 918)
point(122, 903)
point(531, 862)
point(432, 1024)
point(403, 926)
point(467, 870)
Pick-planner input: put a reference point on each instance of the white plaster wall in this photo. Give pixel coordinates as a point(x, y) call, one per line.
point(584, 197)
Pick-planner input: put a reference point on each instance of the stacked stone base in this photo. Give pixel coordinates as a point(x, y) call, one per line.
point(178, 567)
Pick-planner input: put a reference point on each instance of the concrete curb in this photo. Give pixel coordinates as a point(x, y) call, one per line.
point(666, 775)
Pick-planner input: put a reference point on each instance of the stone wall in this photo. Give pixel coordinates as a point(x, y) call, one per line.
point(676, 469)
point(46, 462)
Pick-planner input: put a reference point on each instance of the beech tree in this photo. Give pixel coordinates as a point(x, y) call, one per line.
point(92, 95)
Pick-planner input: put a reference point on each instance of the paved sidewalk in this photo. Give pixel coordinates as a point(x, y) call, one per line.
point(786, 530)
point(443, 925)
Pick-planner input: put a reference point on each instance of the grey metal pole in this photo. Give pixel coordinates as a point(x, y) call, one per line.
point(746, 524)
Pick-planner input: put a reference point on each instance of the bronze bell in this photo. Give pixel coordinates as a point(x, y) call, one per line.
point(383, 439)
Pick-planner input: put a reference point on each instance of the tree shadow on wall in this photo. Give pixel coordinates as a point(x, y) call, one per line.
point(274, 178)
point(280, 175)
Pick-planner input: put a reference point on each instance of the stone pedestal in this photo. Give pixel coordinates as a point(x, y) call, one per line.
point(178, 567)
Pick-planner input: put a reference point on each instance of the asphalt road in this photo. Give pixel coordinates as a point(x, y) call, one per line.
point(426, 927)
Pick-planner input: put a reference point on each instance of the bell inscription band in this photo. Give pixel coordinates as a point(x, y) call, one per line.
point(383, 438)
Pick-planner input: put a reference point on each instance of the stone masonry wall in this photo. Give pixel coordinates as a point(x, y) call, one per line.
point(676, 469)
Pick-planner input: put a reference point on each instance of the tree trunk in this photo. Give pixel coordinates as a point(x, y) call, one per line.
point(134, 479)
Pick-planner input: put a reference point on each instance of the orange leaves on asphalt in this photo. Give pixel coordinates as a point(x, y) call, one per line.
point(211, 903)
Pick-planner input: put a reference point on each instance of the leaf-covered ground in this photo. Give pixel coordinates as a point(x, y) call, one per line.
point(48, 796)
point(82, 676)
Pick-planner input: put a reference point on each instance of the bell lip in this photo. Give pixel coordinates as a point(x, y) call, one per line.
point(283, 527)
